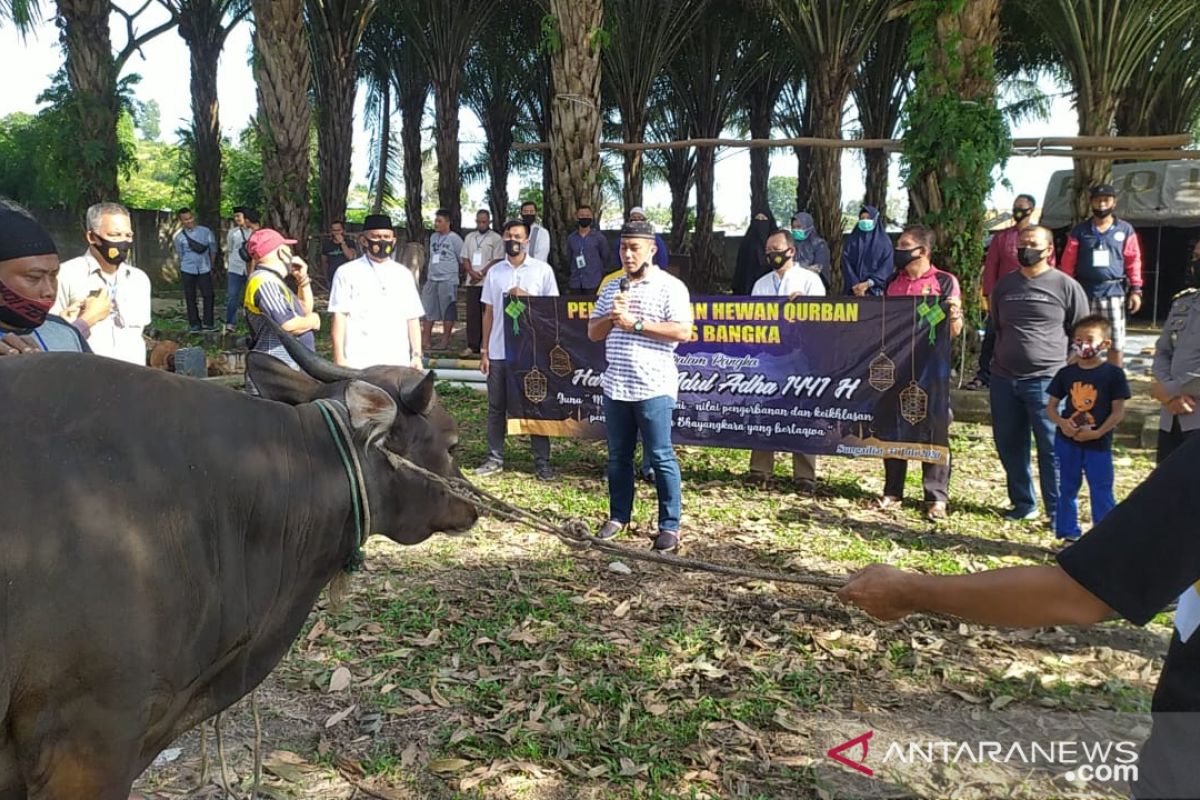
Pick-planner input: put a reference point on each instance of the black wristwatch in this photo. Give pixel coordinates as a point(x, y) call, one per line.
point(639, 326)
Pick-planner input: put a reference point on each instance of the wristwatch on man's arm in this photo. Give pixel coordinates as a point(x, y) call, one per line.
point(639, 325)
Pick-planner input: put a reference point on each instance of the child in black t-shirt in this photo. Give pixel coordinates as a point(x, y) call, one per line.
point(1094, 392)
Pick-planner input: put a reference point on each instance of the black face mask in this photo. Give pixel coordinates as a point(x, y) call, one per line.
point(777, 258)
point(512, 248)
point(1191, 274)
point(902, 258)
point(528, 219)
point(583, 222)
point(1019, 214)
point(1029, 256)
point(114, 253)
point(1101, 213)
point(379, 248)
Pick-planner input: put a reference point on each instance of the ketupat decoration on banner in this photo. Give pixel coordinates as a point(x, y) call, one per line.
point(930, 310)
point(514, 309)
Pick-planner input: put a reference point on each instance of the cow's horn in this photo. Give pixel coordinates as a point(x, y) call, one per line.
point(417, 393)
point(310, 362)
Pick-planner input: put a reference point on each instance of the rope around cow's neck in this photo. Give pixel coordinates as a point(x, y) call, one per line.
point(575, 532)
point(359, 502)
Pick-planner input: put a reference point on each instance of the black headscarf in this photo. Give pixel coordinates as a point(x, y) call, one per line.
point(812, 252)
point(752, 253)
point(21, 235)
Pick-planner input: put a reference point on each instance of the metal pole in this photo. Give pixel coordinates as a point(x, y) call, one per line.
point(1157, 273)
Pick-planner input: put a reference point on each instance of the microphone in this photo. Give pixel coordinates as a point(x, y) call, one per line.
point(624, 285)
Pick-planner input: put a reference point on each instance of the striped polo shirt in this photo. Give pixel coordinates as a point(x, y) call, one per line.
point(641, 367)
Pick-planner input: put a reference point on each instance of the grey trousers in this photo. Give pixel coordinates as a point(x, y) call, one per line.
point(497, 419)
point(762, 464)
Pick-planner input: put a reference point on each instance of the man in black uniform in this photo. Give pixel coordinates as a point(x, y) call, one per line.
point(1141, 557)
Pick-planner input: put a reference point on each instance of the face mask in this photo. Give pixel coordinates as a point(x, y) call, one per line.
point(640, 271)
point(1087, 350)
point(512, 248)
point(777, 258)
point(1029, 256)
point(583, 222)
point(1191, 274)
point(800, 235)
point(380, 248)
point(1019, 214)
point(114, 253)
point(18, 311)
point(866, 225)
point(1101, 213)
point(902, 258)
point(528, 219)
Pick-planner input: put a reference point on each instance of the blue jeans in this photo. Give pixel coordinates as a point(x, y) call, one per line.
point(1073, 463)
point(237, 289)
point(1019, 408)
point(652, 418)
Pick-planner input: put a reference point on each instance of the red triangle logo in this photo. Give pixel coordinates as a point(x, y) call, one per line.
point(836, 753)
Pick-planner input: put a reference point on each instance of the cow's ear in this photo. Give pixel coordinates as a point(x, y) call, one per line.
point(371, 408)
point(275, 380)
point(417, 393)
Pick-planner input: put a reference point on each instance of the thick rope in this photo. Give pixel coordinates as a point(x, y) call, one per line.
point(576, 533)
point(344, 442)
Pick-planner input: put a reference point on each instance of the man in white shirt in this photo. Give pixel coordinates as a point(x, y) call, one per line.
point(375, 305)
point(103, 269)
point(440, 294)
point(518, 275)
point(539, 237)
point(786, 280)
point(235, 265)
point(482, 248)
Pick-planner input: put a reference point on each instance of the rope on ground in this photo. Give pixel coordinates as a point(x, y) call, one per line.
point(575, 533)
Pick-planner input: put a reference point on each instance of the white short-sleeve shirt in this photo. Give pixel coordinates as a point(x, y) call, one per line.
point(797, 280)
point(379, 300)
point(533, 276)
point(119, 335)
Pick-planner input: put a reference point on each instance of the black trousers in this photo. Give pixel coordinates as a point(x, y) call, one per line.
point(1170, 441)
point(474, 318)
point(204, 283)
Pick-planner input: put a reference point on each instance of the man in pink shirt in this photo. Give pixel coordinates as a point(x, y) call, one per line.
point(1000, 260)
point(916, 276)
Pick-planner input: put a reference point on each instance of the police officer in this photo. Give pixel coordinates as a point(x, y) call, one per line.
point(1177, 364)
point(1104, 255)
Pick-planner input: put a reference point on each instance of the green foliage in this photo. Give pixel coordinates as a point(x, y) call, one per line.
point(158, 180)
point(551, 39)
point(242, 173)
point(147, 118)
point(960, 140)
point(781, 197)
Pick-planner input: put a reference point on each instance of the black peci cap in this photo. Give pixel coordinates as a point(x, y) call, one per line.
point(637, 230)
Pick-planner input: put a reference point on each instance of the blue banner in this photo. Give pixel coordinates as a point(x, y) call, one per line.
point(830, 376)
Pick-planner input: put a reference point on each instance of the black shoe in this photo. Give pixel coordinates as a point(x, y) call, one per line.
point(209, 329)
point(489, 467)
point(610, 529)
point(806, 486)
point(666, 541)
point(193, 328)
point(647, 475)
point(544, 473)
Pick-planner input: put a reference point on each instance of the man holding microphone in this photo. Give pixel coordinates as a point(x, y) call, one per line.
point(641, 318)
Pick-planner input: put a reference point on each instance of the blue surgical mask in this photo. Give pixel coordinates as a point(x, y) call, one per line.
point(866, 225)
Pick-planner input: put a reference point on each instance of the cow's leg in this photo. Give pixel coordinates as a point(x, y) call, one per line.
point(78, 759)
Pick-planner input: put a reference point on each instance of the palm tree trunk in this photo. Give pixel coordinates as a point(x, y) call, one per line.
point(385, 145)
point(762, 117)
point(634, 129)
point(574, 116)
point(706, 262)
point(877, 178)
point(206, 129)
point(411, 106)
point(283, 71)
point(829, 97)
point(92, 75)
point(337, 85)
point(1096, 118)
point(445, 108)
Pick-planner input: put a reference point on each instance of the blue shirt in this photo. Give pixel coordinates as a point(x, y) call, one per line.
point(586, 257)
point(189, 261)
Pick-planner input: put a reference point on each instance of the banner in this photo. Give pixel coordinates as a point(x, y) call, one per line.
point(830, 376)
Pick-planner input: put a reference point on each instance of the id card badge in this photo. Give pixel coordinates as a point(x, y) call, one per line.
point(477, 259)
point(580, 262)
point(1100, 258)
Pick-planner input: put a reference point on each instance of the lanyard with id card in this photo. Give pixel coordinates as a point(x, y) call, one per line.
point(1101, 257)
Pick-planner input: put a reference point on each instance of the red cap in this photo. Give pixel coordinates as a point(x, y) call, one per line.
point(265, 240)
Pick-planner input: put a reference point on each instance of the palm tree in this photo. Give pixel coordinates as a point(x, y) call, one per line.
point(1163, 96)
point(711, 75)
point(335, 27)
point(677, 166)
point(645, 35)
point(1104, 44)
point(831, 37)
point(283, 71)
point(795, 117)
point(92, 69)
point(442, 32)
point(375, 71)
point(204, 25)
point(884, 78)
point(778, 65)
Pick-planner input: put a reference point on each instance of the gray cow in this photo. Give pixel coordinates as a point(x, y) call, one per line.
point(163, 540)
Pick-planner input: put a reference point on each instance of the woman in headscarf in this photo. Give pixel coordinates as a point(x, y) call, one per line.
point(867, 257)
point(752, 253)
point(812, 252)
